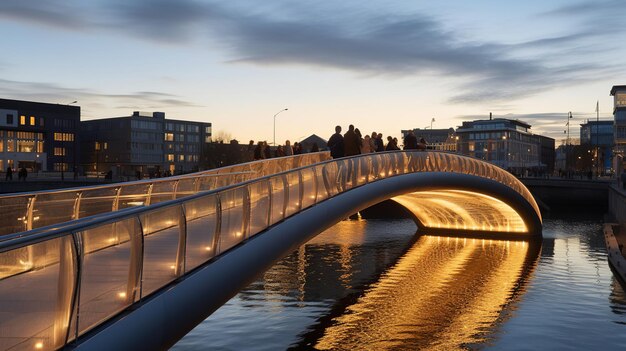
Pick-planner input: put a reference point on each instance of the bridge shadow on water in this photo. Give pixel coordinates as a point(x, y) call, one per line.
point(442, 293)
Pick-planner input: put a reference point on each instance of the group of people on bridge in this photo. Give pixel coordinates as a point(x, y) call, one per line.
point(353, 143)
point(263, 151)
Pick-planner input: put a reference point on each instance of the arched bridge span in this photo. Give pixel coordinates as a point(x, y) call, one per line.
point(145, 276)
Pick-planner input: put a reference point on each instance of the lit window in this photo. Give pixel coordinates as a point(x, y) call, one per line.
point(63, 136)
point(22, 120)
point(59, 151)
point(169, 136)
point(32, 120)
point(170, 157)
point(181, 158)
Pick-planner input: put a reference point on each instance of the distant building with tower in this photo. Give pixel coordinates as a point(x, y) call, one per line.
point(39, 136)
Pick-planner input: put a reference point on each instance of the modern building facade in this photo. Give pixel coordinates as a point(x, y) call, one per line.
point(508, 144)
point(147, 144)
point(619, 121)
point(39, 136)
point(599, 135)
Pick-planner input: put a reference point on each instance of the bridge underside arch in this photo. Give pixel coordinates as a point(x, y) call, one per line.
point(460, 204)
point(461, 210)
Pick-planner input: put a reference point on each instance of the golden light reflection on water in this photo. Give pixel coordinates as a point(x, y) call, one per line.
point(444, 293)
point(457, 209)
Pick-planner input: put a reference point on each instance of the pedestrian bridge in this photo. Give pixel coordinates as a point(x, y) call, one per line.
point(137, 265)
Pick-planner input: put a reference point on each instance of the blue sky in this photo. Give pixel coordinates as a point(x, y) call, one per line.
point(381, 67)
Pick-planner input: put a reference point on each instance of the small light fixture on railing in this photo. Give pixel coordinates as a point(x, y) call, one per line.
point(39, 345)
point(121, 295)
point(208, 248)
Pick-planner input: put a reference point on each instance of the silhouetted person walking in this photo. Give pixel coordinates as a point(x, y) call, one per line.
point(410, 141)
point(9, 175)
point(352, 144)
point(335, 144)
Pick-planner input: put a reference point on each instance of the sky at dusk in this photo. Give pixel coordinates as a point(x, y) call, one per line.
point(382, 66)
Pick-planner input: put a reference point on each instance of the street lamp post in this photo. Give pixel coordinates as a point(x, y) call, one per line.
point(285, 109)
point(567, 145)
point(597, 139)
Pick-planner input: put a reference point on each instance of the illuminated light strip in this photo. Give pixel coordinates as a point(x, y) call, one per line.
point(471, 211)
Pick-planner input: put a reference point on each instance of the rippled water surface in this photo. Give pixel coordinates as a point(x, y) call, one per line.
point(375, 285)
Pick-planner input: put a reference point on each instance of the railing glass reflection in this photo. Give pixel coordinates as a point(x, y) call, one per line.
point(60, 283)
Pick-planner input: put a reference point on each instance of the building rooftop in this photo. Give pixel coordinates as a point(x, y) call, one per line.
point(617, 88)
point(470, 124)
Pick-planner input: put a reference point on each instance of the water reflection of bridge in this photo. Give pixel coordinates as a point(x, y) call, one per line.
point(444, 292)
point(142, 257)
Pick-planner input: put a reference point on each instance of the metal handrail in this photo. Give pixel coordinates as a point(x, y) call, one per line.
point(25, 214)
point(265, 201)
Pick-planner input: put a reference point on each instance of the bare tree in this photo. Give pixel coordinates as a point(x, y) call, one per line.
point(222, 136)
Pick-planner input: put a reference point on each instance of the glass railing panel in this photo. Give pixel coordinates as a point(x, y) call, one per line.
point(345, 174)
point(258, 169)
point(133, 195)
point(223, 180)
point(201, 214)
point(232, 221)
point(308, 187)
point(360, 166)
point(110, 271)
point(96, 201)
point(207, 182)
point(53, 208)
point(186, 187)
point(293, 184)
point(277, 187)
point(14, 214)
point(331, 178)
point(162, 191)
point(162, 262)
point(35, 304)
point(259, 206)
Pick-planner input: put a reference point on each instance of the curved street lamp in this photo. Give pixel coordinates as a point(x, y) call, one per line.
point(285, 109)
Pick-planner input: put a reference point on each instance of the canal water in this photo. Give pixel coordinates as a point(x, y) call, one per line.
point(373, 284)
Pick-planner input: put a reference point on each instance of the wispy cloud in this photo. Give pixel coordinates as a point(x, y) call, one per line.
point(53, 93)
point(368, 43)
point(55, 13)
